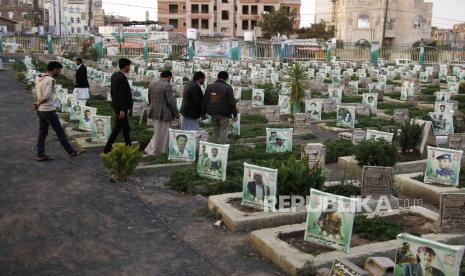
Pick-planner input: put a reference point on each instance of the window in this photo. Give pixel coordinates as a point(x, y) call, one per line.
point(195, 8)
point(85, 28)
point(225, 1)
point(245, 24)
point(225, 30)
point(11, 15)
point(78, 10)
point(24, 15)
point(173, 8)
point(391, 24)
point(286, 8)
point(72, 30)
point(195, 23)
point(78, 20)
point(268, 9)
point(419, 22)
point(363, 21)
point(254, 10)
point(71, 10)
point(204, 24)
point(72, 19)
point(204, 8)
point(253, 24)
point(78, 30)
point(173, 22)
point(224, 15)
point(245, 9)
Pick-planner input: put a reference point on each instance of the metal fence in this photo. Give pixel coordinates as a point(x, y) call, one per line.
point(261, 50)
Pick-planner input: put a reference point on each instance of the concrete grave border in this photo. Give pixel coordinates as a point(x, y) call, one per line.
point(296, 262)
point(349, 165)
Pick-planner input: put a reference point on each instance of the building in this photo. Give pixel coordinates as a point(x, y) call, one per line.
point(23, 12)
point(76, 20)
point(389, 22)
point(323, 11)
point(229, 18)
point(450, 38)
point(114, 19)
point(7, 25)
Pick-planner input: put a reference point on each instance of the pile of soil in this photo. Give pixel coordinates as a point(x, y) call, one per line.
point(236, 203)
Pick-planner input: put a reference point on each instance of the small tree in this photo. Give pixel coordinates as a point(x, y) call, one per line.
point(280, 21)
point(298, 79)
point(296, 178)
point(410, 136)
point(317, 30)
point(376, 153)
point(122, 160)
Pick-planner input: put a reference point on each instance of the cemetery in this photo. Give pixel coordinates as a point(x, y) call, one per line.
point(324, 166)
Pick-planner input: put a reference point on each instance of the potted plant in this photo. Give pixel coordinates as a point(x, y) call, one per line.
point(298, 80)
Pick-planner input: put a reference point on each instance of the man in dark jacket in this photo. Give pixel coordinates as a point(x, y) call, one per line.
point(219, 103)
point(192, 102)
point(81, 89)
point(121, 102)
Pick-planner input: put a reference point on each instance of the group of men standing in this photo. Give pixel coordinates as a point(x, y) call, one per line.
point(218, 102)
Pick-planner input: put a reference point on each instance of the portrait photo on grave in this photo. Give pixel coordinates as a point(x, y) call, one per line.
point(345, 116)
point(330, 220)
point(85, 120)
point(313, 108)
point(213, 160)
point(443, 166)
point(182, 145)
point(284, 103)
point(371, 100)
point(419, 256)
point(235, 126)
point(100, 128)
point(258, 97)
point(314, 153)
point(278, 140)
point(259, 187)
point(376, 181)
point(443, 123)
point(376, 135)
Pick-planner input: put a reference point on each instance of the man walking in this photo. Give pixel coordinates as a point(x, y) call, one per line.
point(219, 103)
point(121, 102)
point(81, 89)
point(46, 110)
point(163, 111)
point(192, 102)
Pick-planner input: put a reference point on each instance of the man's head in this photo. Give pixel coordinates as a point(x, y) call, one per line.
point(444, 161)
point(124, 65)
point(199, 77)
point(442, 108)
point(425, 256)
point(54, 68)
point(166, 75)
point(87, 113)
point(370, 99)
point(78, 61)
point(406, 245)
point(313, 105)
point(258, 178)
point(181, 141)
point(279, 141)
point(223, 75)
point(100, 126)
point(214, 152)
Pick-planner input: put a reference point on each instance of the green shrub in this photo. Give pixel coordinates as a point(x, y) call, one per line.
point(246, 94)
point(410, 136)
point(329, 115)
point(271, 94)
point(122, 160)
point(351, 99)
point(376, 229)
point(391, 105)
point(296, 178)
point(248, 119)
point(20, 76)
point(338, 148)
point(376, 153)
point(343, 190)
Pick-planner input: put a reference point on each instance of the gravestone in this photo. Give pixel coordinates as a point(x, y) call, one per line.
point(344, 267)
point(301, 121)
point(457, 141)
point(244, 107)
point(413, 100)
point(376, 181)
point(315, 153)
point(452, 211)
point(400, 114)
point(388, 89)
point(361, 109)
point(272, 113)
point(358, 136)
point(329, 105)
point(428, 135)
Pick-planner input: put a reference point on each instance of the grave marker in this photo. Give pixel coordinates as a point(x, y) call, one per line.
point(315, 153)
point(272, 113)
point(344, 267)
point(452, 211)
point(401, 114)
point(376, 181)
point(301, 121)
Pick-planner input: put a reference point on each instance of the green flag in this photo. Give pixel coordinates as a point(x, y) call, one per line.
point(99, 46)
point(49, 45)
point(190, 49)
point(235, 50)
point(146, 50)
point(282, 52)
point(1, 43)
point(374, 53)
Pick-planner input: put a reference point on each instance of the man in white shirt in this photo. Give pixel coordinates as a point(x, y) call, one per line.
point(81, 90)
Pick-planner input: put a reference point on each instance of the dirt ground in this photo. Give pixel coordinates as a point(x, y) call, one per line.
point(64, 218)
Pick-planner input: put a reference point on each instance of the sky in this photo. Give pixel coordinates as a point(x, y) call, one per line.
point(445, 12)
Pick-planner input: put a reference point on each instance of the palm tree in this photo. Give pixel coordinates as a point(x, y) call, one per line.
point(298, 79)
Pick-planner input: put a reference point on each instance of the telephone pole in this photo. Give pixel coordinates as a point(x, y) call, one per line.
point(35, 4)
point(384, 23)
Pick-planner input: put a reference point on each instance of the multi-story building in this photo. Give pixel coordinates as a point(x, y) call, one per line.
point(450, 38)
point(390, 22)
point(23, 12)
point(75, 20)
point(231, 18)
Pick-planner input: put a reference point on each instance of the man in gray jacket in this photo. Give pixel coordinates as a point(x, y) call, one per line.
point(163, 111)
point(219, 103)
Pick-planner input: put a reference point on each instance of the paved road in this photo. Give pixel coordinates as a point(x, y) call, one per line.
point(60, 218)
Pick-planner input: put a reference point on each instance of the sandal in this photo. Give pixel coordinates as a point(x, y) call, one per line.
point(44, 158)
point(76, 153)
